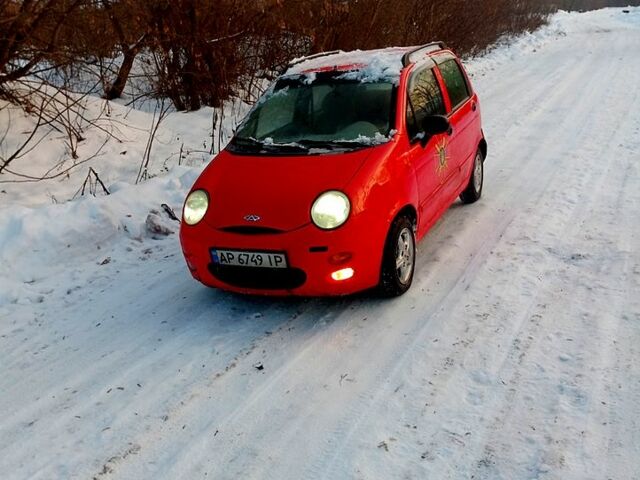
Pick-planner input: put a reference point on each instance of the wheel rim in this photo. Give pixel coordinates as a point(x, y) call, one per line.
point(477, 173)
point(405, 251)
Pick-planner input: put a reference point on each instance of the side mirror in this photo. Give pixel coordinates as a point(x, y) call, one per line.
point(435, 124)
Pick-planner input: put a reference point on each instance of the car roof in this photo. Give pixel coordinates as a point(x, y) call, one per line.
point(384, 62)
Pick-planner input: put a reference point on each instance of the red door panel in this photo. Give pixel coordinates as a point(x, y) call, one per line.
point(433, 173)
point(463, 116)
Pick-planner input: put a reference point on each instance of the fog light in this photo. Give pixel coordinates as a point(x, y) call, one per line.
point(341, 275)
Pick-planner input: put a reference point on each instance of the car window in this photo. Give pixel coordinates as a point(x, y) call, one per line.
point(277, 113)
point(326, 110)
point(424, 99)
point(455, 82)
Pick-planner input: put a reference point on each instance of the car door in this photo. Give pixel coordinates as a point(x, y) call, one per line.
point(428, 155)
point(463, 111)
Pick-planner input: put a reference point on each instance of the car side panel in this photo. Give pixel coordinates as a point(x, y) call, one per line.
point(473, 137)
point(432, 173)
point(476, 133)
point(457, 148)
point(380, 190)
point(455, 153)
point(433, 177)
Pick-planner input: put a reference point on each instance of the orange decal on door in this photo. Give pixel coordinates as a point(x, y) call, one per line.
point(442, 157)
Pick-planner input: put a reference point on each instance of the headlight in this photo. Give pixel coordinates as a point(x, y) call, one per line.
point(195, 207)
point(330, 210)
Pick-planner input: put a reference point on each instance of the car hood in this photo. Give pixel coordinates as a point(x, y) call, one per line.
point(277, 191)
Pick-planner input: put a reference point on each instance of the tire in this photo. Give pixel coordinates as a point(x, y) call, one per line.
point(399, 258)
point(473, 192)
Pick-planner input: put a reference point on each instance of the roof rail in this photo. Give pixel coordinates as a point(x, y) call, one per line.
point(311, 57)
point(428, 48)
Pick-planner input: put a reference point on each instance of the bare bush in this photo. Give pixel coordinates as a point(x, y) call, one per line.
point(54, 53)
point(30, 37)
point(159, 114)
point(205, 51)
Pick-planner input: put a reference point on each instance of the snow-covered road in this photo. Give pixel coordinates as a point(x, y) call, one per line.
point(516, 355)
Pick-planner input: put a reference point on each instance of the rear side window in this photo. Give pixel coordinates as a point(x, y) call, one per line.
point(424, 99)
point(455, 82)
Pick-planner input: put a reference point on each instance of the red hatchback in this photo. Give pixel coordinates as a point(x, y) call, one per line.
point(345, 162)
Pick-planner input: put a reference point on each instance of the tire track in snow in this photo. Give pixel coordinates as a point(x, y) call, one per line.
point(538, 112)
point(146, 360)
point(206, 397)
point(298, 360)
point(541, 90)
point(577, 212)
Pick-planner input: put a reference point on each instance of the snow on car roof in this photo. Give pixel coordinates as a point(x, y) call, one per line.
point(366, 65)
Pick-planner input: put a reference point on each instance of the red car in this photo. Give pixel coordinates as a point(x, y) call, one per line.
point(335, 174)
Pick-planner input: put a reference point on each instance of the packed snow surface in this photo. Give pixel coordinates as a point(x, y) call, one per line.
point(516, 354)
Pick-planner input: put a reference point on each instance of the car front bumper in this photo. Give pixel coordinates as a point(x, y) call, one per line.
point(312, 255)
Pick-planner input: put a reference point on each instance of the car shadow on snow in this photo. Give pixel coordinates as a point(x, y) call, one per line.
point(220, 312)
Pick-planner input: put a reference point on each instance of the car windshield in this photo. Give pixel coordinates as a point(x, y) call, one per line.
point(310, 112)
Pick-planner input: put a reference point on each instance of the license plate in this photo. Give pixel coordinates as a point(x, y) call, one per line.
point(239, 258)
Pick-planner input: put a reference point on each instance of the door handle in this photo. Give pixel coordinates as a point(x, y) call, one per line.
point(474, 106)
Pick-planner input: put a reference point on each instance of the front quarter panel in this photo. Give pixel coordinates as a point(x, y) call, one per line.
point(382, 187)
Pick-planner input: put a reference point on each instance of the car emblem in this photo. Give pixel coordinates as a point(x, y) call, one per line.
point(253, 218)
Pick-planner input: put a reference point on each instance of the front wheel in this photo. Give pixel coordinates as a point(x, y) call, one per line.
point(473, 192)
point(399, 259)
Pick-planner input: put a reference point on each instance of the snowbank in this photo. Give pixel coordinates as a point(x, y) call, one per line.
point(38, 242)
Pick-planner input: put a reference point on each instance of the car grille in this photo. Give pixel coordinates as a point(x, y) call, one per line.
point(259, 278)
point(251, 230)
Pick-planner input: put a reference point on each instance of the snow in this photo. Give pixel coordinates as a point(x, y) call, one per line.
point(377, 139)
point(371, 65)
point(513, 356)
point(182, 140)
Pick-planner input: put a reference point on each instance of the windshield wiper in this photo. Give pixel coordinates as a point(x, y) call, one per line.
point(268, 147)
point(246, 141)
point(331, 144)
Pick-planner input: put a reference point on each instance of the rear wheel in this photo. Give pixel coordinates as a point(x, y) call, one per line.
point(399, 259)
point(473, 192)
